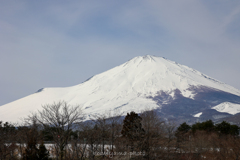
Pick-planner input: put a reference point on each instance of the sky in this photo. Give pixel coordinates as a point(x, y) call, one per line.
point(62, 43)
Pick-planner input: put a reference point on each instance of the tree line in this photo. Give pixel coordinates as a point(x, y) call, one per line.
point(58, 132)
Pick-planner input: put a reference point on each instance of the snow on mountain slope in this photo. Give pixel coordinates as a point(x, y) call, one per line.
point(125, 88)
point(197, 115)
point(228, 107)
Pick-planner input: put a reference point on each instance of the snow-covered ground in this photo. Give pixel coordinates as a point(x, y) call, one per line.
point(124, 88)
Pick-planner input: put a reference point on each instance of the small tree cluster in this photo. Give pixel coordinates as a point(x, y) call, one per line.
point(7, 141)
point(33, 150)
point(209, 140)
point(223, 128)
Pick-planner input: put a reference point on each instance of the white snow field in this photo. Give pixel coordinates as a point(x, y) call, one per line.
point(124, 88)
point(228, 107)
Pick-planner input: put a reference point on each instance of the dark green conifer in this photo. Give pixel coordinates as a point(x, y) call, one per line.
point(31, 152)
point(43, 153)
point(132, 129)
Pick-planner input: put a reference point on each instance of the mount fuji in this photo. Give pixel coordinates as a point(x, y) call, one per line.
point(145, 82)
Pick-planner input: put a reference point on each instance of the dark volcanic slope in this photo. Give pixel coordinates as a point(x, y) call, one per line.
point(183, 108)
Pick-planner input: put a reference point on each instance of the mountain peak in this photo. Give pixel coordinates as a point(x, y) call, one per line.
point(124, 88)
point(146, 57)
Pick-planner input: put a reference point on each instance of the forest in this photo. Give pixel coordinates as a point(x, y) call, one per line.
point(58, 132)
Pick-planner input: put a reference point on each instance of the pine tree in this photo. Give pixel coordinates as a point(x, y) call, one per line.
point(184, 127)
point(31, 152)
point(43, 153)
point(132, 128)
point(182, 133)
point(227, 128)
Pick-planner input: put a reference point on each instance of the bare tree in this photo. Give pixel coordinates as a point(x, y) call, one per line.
point(169, 142)
point(109, 126)
point(103, 127)
point(153, 127)
point(59, 119)
point(90, 136)
point(21, 139)
point(77, 149)
point(115, 125)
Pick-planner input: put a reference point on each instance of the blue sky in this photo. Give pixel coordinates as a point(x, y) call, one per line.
point(62, 43)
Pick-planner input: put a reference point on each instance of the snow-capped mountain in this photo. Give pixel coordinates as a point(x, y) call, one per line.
point(175, 90)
